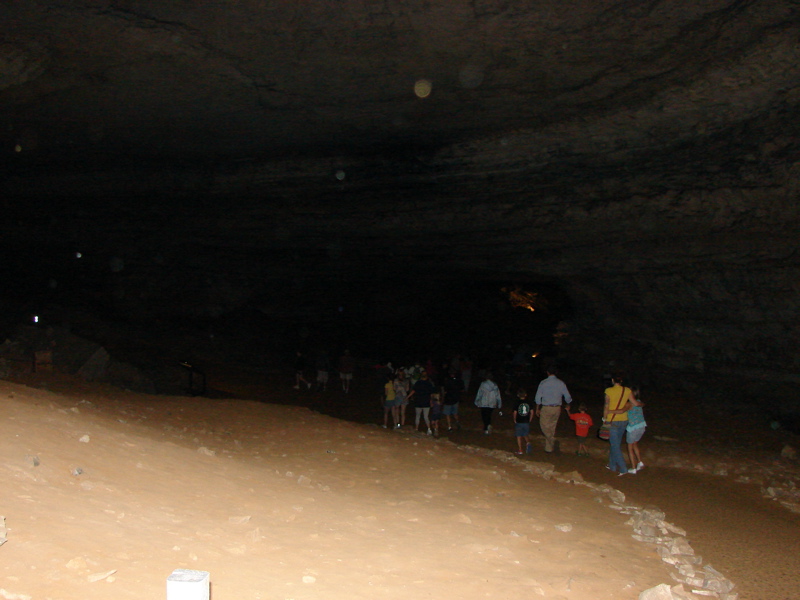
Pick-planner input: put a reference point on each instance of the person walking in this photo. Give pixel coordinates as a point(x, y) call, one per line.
point(523, 415)
point(390, 403)
point(401, 388)
point(635, 429)
point(583, 421)
point(346, 368)
point(323, 365)
point(549, 396)
point(299, 371)
point(452, 388)
point(615, 412)
point(487, 399)
point(422, 392)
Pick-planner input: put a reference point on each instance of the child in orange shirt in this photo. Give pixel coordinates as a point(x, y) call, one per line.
point(583, 421)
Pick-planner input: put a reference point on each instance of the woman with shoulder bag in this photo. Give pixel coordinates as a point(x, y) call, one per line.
point(615, 412)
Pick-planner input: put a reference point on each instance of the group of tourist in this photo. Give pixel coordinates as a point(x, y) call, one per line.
point(322, 366)
point(432, 397)
point(436, 398)
point(622, 414)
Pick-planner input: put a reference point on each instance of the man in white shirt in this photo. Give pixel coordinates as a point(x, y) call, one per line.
point(549, 396)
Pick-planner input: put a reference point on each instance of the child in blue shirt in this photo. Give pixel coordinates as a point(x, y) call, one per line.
point(635, 430)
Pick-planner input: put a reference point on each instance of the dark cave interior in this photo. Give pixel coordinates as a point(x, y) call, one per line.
point(373, 175)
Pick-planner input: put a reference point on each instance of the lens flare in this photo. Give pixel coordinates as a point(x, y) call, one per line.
point(422, 88)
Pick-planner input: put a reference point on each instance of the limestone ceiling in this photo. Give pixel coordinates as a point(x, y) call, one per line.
point(524, 85)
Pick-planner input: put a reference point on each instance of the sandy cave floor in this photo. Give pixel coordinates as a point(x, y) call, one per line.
point(107, 491)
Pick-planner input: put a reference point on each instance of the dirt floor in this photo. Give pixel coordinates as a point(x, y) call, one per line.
point(277, 496)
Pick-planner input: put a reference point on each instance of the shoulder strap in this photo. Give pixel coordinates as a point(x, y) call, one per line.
point(619, 403)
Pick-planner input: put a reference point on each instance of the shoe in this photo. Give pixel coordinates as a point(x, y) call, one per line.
point(519, 453)
point(489, 429)
point(297, 387)
point(430, 432)
point(309, 385)
point(397, 426)
point(621, 474)
point(529, 448)
point(486, 431)
point(640, 466)
point(632, 471)
point(384, 426)
point(449, 429)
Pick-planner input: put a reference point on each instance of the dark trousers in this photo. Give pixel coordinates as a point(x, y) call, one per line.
point(486, 415)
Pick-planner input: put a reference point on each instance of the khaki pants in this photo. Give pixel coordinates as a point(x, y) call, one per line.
point(548, 419)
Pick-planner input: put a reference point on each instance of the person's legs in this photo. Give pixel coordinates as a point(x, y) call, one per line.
point(403, 410)
point(395, 416)
point(616, 460)
point(633, 438)
point(636, 456)
point(452, 413)
point(486, 417)
point(447, 411)
point(386, 411)
point(522, 431)
point(548, 419)
point(426, 414)
point(417, 415)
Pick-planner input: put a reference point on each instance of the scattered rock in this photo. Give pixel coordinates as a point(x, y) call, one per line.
point(660, 592)
point(13, 596)
point(100, 576)
point(238, 520)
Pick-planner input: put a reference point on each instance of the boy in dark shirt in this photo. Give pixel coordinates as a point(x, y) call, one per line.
point(522, 422)
point(452, 387)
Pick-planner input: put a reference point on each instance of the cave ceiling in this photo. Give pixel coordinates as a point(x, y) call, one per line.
point(608, 145)
point(542, 89)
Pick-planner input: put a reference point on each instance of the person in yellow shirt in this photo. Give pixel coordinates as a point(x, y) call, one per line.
point(390, 403)
point(615, 412)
